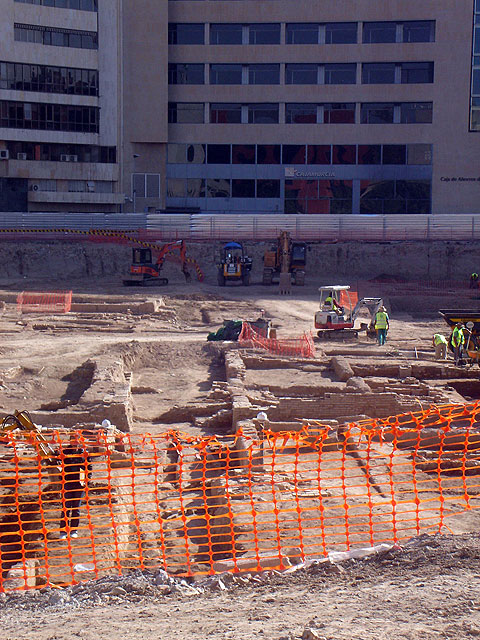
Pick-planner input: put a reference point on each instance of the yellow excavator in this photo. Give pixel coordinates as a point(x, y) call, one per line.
point(21, 420)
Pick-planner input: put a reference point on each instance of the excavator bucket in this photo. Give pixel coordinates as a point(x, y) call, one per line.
point(285, 284)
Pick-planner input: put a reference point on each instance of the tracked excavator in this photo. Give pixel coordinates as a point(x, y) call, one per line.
point(143, 271)
point(288, 257)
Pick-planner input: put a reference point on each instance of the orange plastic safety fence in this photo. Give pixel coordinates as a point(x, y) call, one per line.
point(40, 302)
point(303, 346)
point(200, 506)
point(348, 298)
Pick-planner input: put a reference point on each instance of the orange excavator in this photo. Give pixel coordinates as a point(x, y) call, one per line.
point(144, 271)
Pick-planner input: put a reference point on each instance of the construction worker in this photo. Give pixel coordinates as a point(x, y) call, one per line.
point(382, 325)
point(458, 340)
point(440, 343)
point(331, 304)
point(474, 281)
point(75, 473)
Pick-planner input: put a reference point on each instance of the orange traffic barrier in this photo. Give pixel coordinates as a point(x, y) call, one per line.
point(302, 347)
point(44, 302)
point(195, 506)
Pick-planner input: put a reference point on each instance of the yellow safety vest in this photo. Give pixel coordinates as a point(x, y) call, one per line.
point(439, 339)
point(457, 337)
point(381, 320)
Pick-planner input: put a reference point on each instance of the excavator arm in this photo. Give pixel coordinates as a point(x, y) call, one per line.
point(169, 248)
point(21, 420)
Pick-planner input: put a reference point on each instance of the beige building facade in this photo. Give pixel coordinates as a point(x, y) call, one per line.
point(232, 106)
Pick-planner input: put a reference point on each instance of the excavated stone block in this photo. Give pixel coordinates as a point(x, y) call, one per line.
point(342, 368)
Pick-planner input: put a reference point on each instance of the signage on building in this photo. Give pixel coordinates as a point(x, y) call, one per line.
point(291, 172)
point(459, 179)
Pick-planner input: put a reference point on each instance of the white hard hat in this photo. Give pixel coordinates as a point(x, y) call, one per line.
point(262, 416)
point(106, 424)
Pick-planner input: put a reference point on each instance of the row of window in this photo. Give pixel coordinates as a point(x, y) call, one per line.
point(475, 89)
point(82, 5)
point(301, 113)
point(52, 152)
point(302, 33)
point(53, 117)
point(300, 154)
point(303, 73)
point(56, 37)
point(72, 186)
point(43, 78)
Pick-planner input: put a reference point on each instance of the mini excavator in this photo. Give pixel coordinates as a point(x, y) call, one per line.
point(143, 271)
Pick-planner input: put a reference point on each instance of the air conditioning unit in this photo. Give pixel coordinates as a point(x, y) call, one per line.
point(64, 157)
point(21, 156)
point(91, 186)
point(4, 155)
point(34, 187)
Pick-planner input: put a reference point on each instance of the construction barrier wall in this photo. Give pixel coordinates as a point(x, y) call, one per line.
point(44, 302)
point(199, 506)
point(302, 347)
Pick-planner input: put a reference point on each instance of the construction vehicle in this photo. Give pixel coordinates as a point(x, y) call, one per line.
point(339, 308)
point(234, 265)
point(143, 271)
point(471, 320)
point(21, 420)
point(287, 256)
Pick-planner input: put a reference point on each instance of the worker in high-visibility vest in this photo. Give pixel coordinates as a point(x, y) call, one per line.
point(458, 340)
point(440, 343)
point(331, 304)
point(382, 325)
point(474, 281)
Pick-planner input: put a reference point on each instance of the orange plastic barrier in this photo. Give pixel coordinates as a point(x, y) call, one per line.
point(41, 302)
point(200, 506)
point(302, 347)
point(347, 298)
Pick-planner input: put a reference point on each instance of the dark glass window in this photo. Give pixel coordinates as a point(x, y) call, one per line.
point(419, 31)
point(264, 33)
point(268, 188)
point(218, 188)
point(268, 154)
point(223, 113)
point(302, 33)
point(243, 154)
point(319, 154)
point(263, 113)
point(417, 72)
point(293, 154)
point(186, 33)
point(82, 5)
point(53, 151)
point(416, 112)
point(341, 73)
point(264, 74)
point(243, 188)
point(369, 154)
point(379, 32)
point(378, 73)
point(56, 37)
point(32, 77)
point(394, 154)
point(377, 113)
point(297, 113)
point(185, 112)
point(341, 33)
point(225, 33)
point(218, 154)
point(339, 113)
point(56, 117)
point(301, 73)
point(225, 74)
point(344, 154)
point(186, 73)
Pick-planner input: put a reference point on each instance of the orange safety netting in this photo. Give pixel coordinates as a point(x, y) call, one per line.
point(347, 299)
point(205, 505)
point(40, 302)
point(302, 347)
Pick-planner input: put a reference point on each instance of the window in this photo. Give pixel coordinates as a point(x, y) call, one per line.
point(475, 80)
point(302, 33)
point(297, 113)
point(195, 188)
point(176, 153)
point(263, 113)
point(293, 154)
point(264, 74)
point(176, 188)
point(222, 113)
point(53, 152)
point(344, 154)
point(340, 73)
point(225, 74)
point(339, 113)
point(56, 37)
point(378, 73)
point(301, 73)
point(395, 196)
point(319, 154)
point(186, 33)
point(185, 112)
point(146, 185)
point(225, 34)
point(341, 33)
point(369, 154)
point(264, 33)
point(82, 5)
point(243, 188)
point(243, 154)
point(394, 154)
point(45, 185)
point(186, 73)
point(416, 112)
point(54, 117)
point(268, 154)
point(46, 79)
point(419, 154)
point(419, 31)
point(416, 72)
point(377, 113)
point(268, 188)
point(77, 186)
point(196, 153)
point(318, 196)
point(218, 154)
point(218, 188)
point(379, 32)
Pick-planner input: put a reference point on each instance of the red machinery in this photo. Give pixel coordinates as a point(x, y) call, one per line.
point(143, 271)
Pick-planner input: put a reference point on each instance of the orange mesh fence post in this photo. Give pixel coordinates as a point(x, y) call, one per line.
point(44, 302)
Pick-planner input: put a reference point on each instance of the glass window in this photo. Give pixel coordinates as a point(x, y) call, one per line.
point(379, 32)
point(268, 154)
point(416, 112)
point(297, 113)
point(419, 31)
point(176, 153)
point(302, 33)
point(196, 153)
point(339, 113)
point(319, 154)
point(185, 112)
point(340, 73)
point(218, 188)
point(344, 154)
point(417, 72)
point(293, 154)
point(218, 154)
point(378, 73)
point(263, 113)
point(243, 154)
point(377, 113)
point(225, 74)
point(176, 188)
point(153, 185)
point(186, 73)
point(264, 74)
point(264, 33)
point(243, 188)
point(222, 113)
point(186, 33)
point(195, 188)
point(268, 188)
point(369, 154)
point(225, 33)
point(373, 195)
point(341, 33)
point(394, 154)
point(419, 154)
point(301, 73)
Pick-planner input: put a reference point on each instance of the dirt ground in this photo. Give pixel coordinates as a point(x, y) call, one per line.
point(429, 589)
